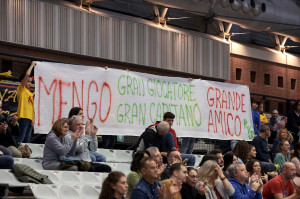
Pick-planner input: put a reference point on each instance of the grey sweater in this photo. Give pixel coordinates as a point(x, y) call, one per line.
point(56, 147)
point(85, 144)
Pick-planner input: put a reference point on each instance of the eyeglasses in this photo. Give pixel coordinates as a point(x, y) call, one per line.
point(194, 176)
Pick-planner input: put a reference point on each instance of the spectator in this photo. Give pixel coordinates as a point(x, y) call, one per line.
point(156, 156)
point(293, 121)
point(8, 130)
point(255, 117)
point(148, 187)
point(135, 175)
point(238, 176)
point(219, 154)
point(208, 157)
point(178, 174)
point(252, 152)
point(25, 110)
point(296, 160)
point(114, 186)
point(170, 139)
point(95, 156)
point(253, 167)
point(87, 142)
point(263, 117)
point(283, 154)
point(274, 125)
point(229, 159)
point(283, 135)
point(217, 184)
point(172, 158)
point(188, 188)
point(57, 145)
point(282, 186)
point(153, 136)
point(241, 150)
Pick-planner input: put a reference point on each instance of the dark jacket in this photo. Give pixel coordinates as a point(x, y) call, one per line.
point(149, 138)
point(261, 146)
point(8, 139)
point(189, 192)
point(293, 121)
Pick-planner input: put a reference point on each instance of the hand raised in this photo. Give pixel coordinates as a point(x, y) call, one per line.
point(175, 187)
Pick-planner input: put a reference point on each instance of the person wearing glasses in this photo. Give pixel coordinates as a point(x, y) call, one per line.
point(188, 189)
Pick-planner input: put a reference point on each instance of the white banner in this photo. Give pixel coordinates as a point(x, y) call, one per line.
point(125, 103)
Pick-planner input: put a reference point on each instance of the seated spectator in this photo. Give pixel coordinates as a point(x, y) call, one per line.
point(217, 184)
point(95, 156)
point(283, 135)
point(241, 150)
point(219, 154)
point(148, 187)
point(86, 143)
point(252, 152)
point(253, 167)
point(114, 186)
point(157, 157)
point(274, 125)
point(8, 130)
point(135, 175)
point(172, 157)
point(208, 157)
point(282, 185)
point(57, 145)
point(293, 121)
point(178, 173)
point(6, 162)
point(153, 136)
point(229, 159)
point(188, 188)
point(282, 154)
point(296, 160)
point(261, 144)
point(238, 176)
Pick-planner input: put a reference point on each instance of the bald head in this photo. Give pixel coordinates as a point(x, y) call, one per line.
point(288, 170)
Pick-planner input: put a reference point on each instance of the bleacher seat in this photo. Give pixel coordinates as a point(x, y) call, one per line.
point(37, 150)
point(65, 191)
point(123, 167)
point(8, 178)
point(33, 163)
point(198, 160)
point(115, 155)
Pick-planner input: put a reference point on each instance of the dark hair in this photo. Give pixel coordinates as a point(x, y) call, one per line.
point(175, 167)
point(215, 151)
point(170, 153)
point(296, 149)
point(264, 127)
point(228, 159)
point(278, 148)
point(296, 104)
point(242, 150)
point(190, 169)
point(249, 165)
point(168, 115)
point(74, 111)
point(57, 126)
point(143, 162)
point(208, 157)
point(112, 179)
point(137, 157)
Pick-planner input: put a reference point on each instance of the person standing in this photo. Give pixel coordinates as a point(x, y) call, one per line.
point(25, 111)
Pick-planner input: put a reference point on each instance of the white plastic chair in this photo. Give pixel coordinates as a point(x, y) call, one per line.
point(41, 191)
point(90, 192)
point(37, 150)
point(8, 178)
point(33, 163)
point(71, 192)
point(198, 159)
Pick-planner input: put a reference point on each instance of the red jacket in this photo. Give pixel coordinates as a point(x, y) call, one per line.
point(172, 131)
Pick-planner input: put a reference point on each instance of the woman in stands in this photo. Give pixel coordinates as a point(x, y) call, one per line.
point(253, 167)
point(283, 135)
point(217, 184)
point(134, 176)
point(283, 154)
point(229, 159)
point(57, 146)
point(114, 186)
point(241, 150)
point(188, 190)
point(252, 152)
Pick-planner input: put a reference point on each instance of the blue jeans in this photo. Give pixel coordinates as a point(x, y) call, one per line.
point(5, 151)
point(25, 130)
point(187, 145)
point(6, 162)
point(191, 158)
point(97, 157)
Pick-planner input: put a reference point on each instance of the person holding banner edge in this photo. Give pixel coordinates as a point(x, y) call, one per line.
point(25, 111)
